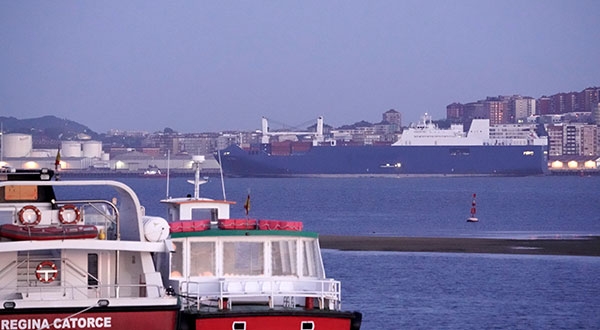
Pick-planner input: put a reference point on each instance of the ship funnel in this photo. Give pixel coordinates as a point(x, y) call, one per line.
point(319, 136)
point(265, 130)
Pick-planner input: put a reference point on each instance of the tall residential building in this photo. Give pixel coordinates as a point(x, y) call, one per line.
point(555, 140)
point(474, 110)
point(580, 139)
point(564, 103)
point(498, 110)
point(455, 112)
point(393, 117)
point(589, 98)
point(544, 105)
point(524, 107)
point(596, 113)
point(589, 140)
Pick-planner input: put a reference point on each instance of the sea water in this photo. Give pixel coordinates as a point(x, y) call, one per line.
point(436, 290)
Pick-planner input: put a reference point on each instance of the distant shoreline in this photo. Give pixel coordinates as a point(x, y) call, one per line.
point(214, 172)
point(587, 246)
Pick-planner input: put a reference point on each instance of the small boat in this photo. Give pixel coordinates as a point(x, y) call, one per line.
point(74, 262)
point(23, 233)
point(247, 273)
point(153, 172)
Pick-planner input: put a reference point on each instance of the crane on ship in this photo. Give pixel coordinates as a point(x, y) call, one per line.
point(266, 134)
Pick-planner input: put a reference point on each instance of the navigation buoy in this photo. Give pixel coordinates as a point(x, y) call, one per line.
point(472, 218)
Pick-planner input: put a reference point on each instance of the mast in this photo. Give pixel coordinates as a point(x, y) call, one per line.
point(198, 160)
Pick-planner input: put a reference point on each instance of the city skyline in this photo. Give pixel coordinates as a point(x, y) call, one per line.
point(203, 66)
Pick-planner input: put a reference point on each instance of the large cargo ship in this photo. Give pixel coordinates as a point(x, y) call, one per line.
point(422, 149)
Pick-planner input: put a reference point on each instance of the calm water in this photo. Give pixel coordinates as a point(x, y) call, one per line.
point(434, 290)
point(507, 207)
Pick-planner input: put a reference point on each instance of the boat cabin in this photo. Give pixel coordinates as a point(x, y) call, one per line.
point(76, 243)
point(218, 264)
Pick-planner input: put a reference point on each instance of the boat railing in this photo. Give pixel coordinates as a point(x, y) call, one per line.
point(30, 288)
point(76, 292)
point(226, 291)
point(103, 291)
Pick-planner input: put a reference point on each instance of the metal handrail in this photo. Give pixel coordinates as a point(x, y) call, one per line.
point(98, 201)
point(327, 289)
point(68, 292)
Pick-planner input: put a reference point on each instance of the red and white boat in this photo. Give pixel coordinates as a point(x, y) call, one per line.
point(246, 273)
point(68, 262)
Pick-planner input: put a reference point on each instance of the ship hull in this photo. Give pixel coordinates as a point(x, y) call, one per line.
point(272, 320)
point(386, 160)
point(158, 318)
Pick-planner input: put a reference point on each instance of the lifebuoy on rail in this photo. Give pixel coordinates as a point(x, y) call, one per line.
point(27, 215)
point(46, 271)
point(69, 214)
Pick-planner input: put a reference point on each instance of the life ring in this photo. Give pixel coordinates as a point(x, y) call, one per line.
point(70, 209)
point(26, 212)
point(46, 271)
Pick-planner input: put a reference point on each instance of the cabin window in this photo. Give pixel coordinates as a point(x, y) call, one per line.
point(177, 260)
point(243, 258)
point(202, 259)
point(92, 269)
point(312, 266)
point(307, 325)
point(239, 325)
point(200, 214)
point(283, 258)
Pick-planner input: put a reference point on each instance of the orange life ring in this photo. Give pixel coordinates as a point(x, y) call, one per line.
point(26, 212)
point(46, 271)
point(69, 208)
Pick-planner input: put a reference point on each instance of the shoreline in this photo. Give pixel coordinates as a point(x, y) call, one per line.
point(589, 246)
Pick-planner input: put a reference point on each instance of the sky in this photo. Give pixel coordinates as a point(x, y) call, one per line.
point(211, 66)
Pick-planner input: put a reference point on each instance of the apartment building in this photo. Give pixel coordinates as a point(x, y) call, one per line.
point(573, 139)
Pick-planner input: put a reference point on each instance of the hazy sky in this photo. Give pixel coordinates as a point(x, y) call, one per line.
point(208, 66)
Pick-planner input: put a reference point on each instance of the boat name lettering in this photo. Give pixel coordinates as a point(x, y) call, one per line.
point(58, 323)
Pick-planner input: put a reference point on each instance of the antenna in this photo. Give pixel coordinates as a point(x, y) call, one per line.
point(221, 171)
point(1, 141)
point(168, 170)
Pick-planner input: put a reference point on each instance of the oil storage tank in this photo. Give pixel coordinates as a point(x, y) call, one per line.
point(70, 149)
point(17, 145)
point(92, 149)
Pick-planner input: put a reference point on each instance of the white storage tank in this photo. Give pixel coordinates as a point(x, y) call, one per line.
point(92, 149)
point(17, 145)
point(70, 149)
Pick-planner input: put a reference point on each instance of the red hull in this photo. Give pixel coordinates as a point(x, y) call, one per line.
point(275, 320)
point(26, 233)
point(274, 323)
point(114, 320)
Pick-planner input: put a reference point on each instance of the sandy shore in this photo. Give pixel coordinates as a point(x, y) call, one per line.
point(587, 246)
